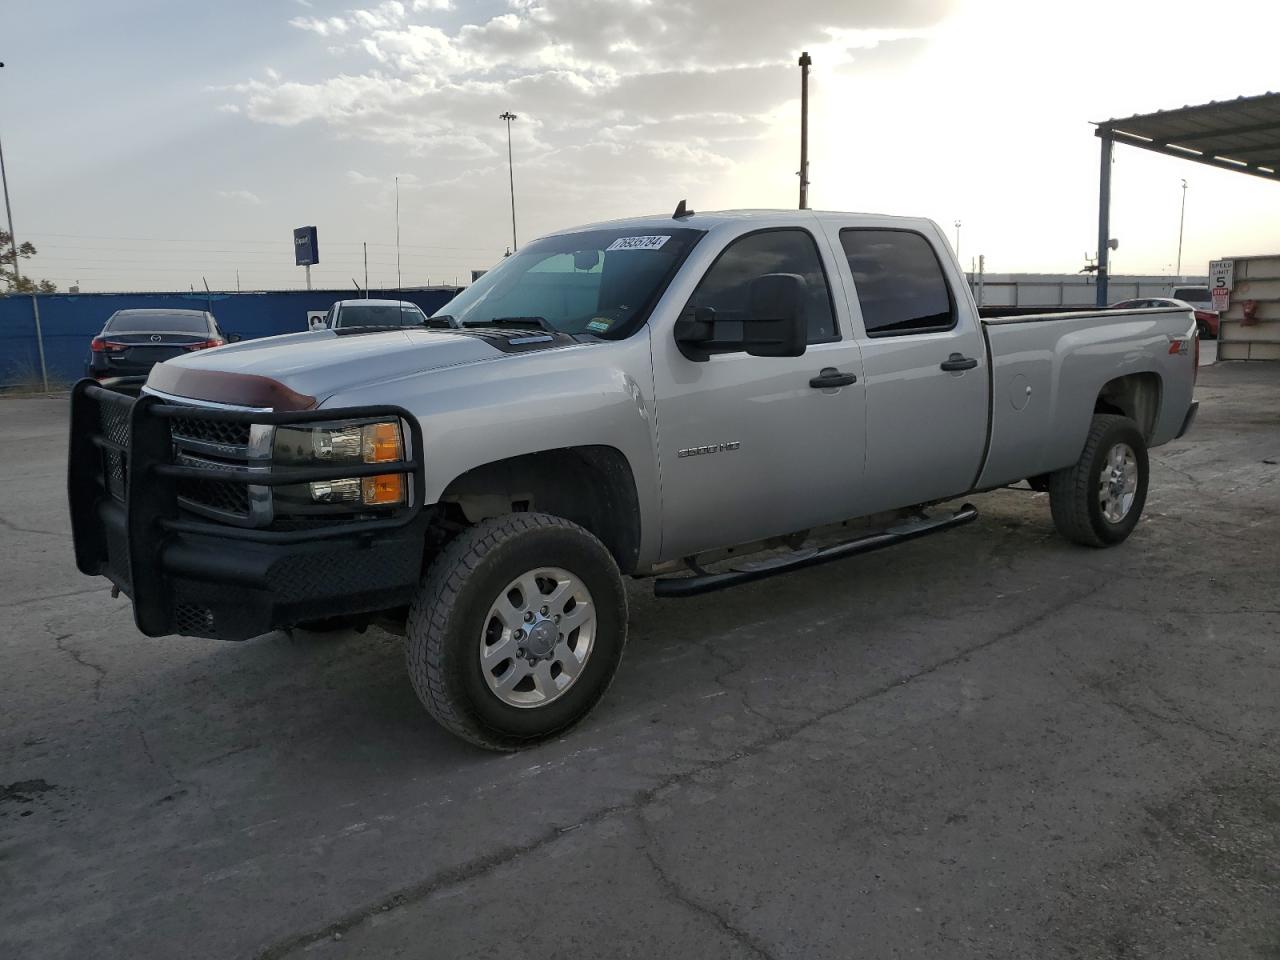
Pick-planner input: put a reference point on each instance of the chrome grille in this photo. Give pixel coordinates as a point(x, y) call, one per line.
point(218, 432)
point(220, 495)
point(217, 446)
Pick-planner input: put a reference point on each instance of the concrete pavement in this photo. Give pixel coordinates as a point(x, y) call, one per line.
point(985, 744)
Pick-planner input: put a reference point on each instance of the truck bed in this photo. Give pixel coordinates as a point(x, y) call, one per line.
point(1048, 369)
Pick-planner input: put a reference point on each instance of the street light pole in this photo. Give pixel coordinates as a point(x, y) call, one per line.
point(1181, 220)
point(8, 211)
point(511, 176)
point(805, 62)
point(957, 239)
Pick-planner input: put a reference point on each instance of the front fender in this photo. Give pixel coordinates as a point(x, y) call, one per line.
point(598, 394)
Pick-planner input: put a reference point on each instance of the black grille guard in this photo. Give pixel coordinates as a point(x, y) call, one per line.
point(121, 449)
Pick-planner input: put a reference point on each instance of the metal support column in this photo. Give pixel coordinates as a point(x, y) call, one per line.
point(1104, 215)
point(44, 369)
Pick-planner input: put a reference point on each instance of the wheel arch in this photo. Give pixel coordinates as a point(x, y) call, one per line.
point(591, 485)
point(1135, 395)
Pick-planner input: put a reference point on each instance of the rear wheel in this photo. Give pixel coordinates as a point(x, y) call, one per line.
point(517, 630)
point(1098, 501)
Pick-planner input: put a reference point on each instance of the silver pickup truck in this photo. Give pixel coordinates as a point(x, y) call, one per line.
point(651, 397)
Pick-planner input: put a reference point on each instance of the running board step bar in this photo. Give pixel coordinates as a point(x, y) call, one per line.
point(899, 533)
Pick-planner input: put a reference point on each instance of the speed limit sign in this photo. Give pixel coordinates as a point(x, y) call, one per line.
point(1221, 277)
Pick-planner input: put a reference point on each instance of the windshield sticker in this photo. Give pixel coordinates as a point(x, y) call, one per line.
point(637, 243)
point(599, 324)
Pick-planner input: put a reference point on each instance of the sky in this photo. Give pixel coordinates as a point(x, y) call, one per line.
point(160, 144)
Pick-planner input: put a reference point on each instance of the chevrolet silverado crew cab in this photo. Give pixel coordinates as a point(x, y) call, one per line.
point(643, 398)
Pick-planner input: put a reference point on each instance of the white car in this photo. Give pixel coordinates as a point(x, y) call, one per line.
point(1206, 320)
point(347, 314)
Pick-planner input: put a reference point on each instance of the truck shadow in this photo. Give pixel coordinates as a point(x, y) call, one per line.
point(344, 698)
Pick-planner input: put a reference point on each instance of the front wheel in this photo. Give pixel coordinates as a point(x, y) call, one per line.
point(517, 630)
point(1098, 501)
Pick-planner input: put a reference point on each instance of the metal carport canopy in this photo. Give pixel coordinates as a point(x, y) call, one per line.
point(1241, 135)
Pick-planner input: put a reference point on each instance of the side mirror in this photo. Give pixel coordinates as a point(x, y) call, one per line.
point(775, 324)
point(695, 327)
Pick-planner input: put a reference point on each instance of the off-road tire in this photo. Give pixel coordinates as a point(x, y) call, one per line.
point(1073, 491)
point(446, 619)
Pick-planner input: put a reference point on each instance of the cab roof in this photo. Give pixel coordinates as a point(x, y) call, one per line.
point(710, 220)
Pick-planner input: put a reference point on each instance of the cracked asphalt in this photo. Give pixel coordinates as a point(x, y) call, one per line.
point(988, 743)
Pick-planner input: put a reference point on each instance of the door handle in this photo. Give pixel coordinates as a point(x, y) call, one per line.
point(958, 362)
point(831, 377)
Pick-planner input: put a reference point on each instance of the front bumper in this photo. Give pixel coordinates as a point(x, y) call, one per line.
point(192, 577)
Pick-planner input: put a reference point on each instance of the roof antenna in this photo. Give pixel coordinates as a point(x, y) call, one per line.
point(681, 212)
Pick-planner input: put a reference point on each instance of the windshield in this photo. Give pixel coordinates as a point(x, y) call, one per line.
point(602, 282)
point(127, 322)
point(379, 315)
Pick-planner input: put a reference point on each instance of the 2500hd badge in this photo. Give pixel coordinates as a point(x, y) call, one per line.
point(710, 448)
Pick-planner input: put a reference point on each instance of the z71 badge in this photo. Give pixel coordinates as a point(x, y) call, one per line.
point(710, 448)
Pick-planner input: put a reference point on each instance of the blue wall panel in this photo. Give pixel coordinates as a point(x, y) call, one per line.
point(69, 322)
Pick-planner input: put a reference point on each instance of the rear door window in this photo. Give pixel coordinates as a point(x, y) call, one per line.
point(899, 282)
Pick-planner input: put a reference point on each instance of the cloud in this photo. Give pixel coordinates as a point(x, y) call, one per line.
point(324, 26)
point(381, 17)
point(611, 94)
point(384, 16)
point(241, 196)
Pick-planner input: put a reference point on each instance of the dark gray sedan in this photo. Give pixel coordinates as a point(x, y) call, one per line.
point(133, 341)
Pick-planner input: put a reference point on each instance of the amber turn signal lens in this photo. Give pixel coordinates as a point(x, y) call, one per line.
point(381, 442)
point(384, 490)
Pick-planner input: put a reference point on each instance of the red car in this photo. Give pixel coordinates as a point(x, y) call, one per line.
point(1206, 320)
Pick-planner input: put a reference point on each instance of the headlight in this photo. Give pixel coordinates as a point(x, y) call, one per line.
point(380, 441)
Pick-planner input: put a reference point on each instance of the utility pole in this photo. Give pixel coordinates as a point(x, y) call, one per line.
point(366, 270)
point(805, 62)
point(398, 281)
point(511, 175)
point(957, 239)
point(13, 240)
point(1182, 217)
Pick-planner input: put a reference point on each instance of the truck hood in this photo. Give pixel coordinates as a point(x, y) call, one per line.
point(298, 371)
